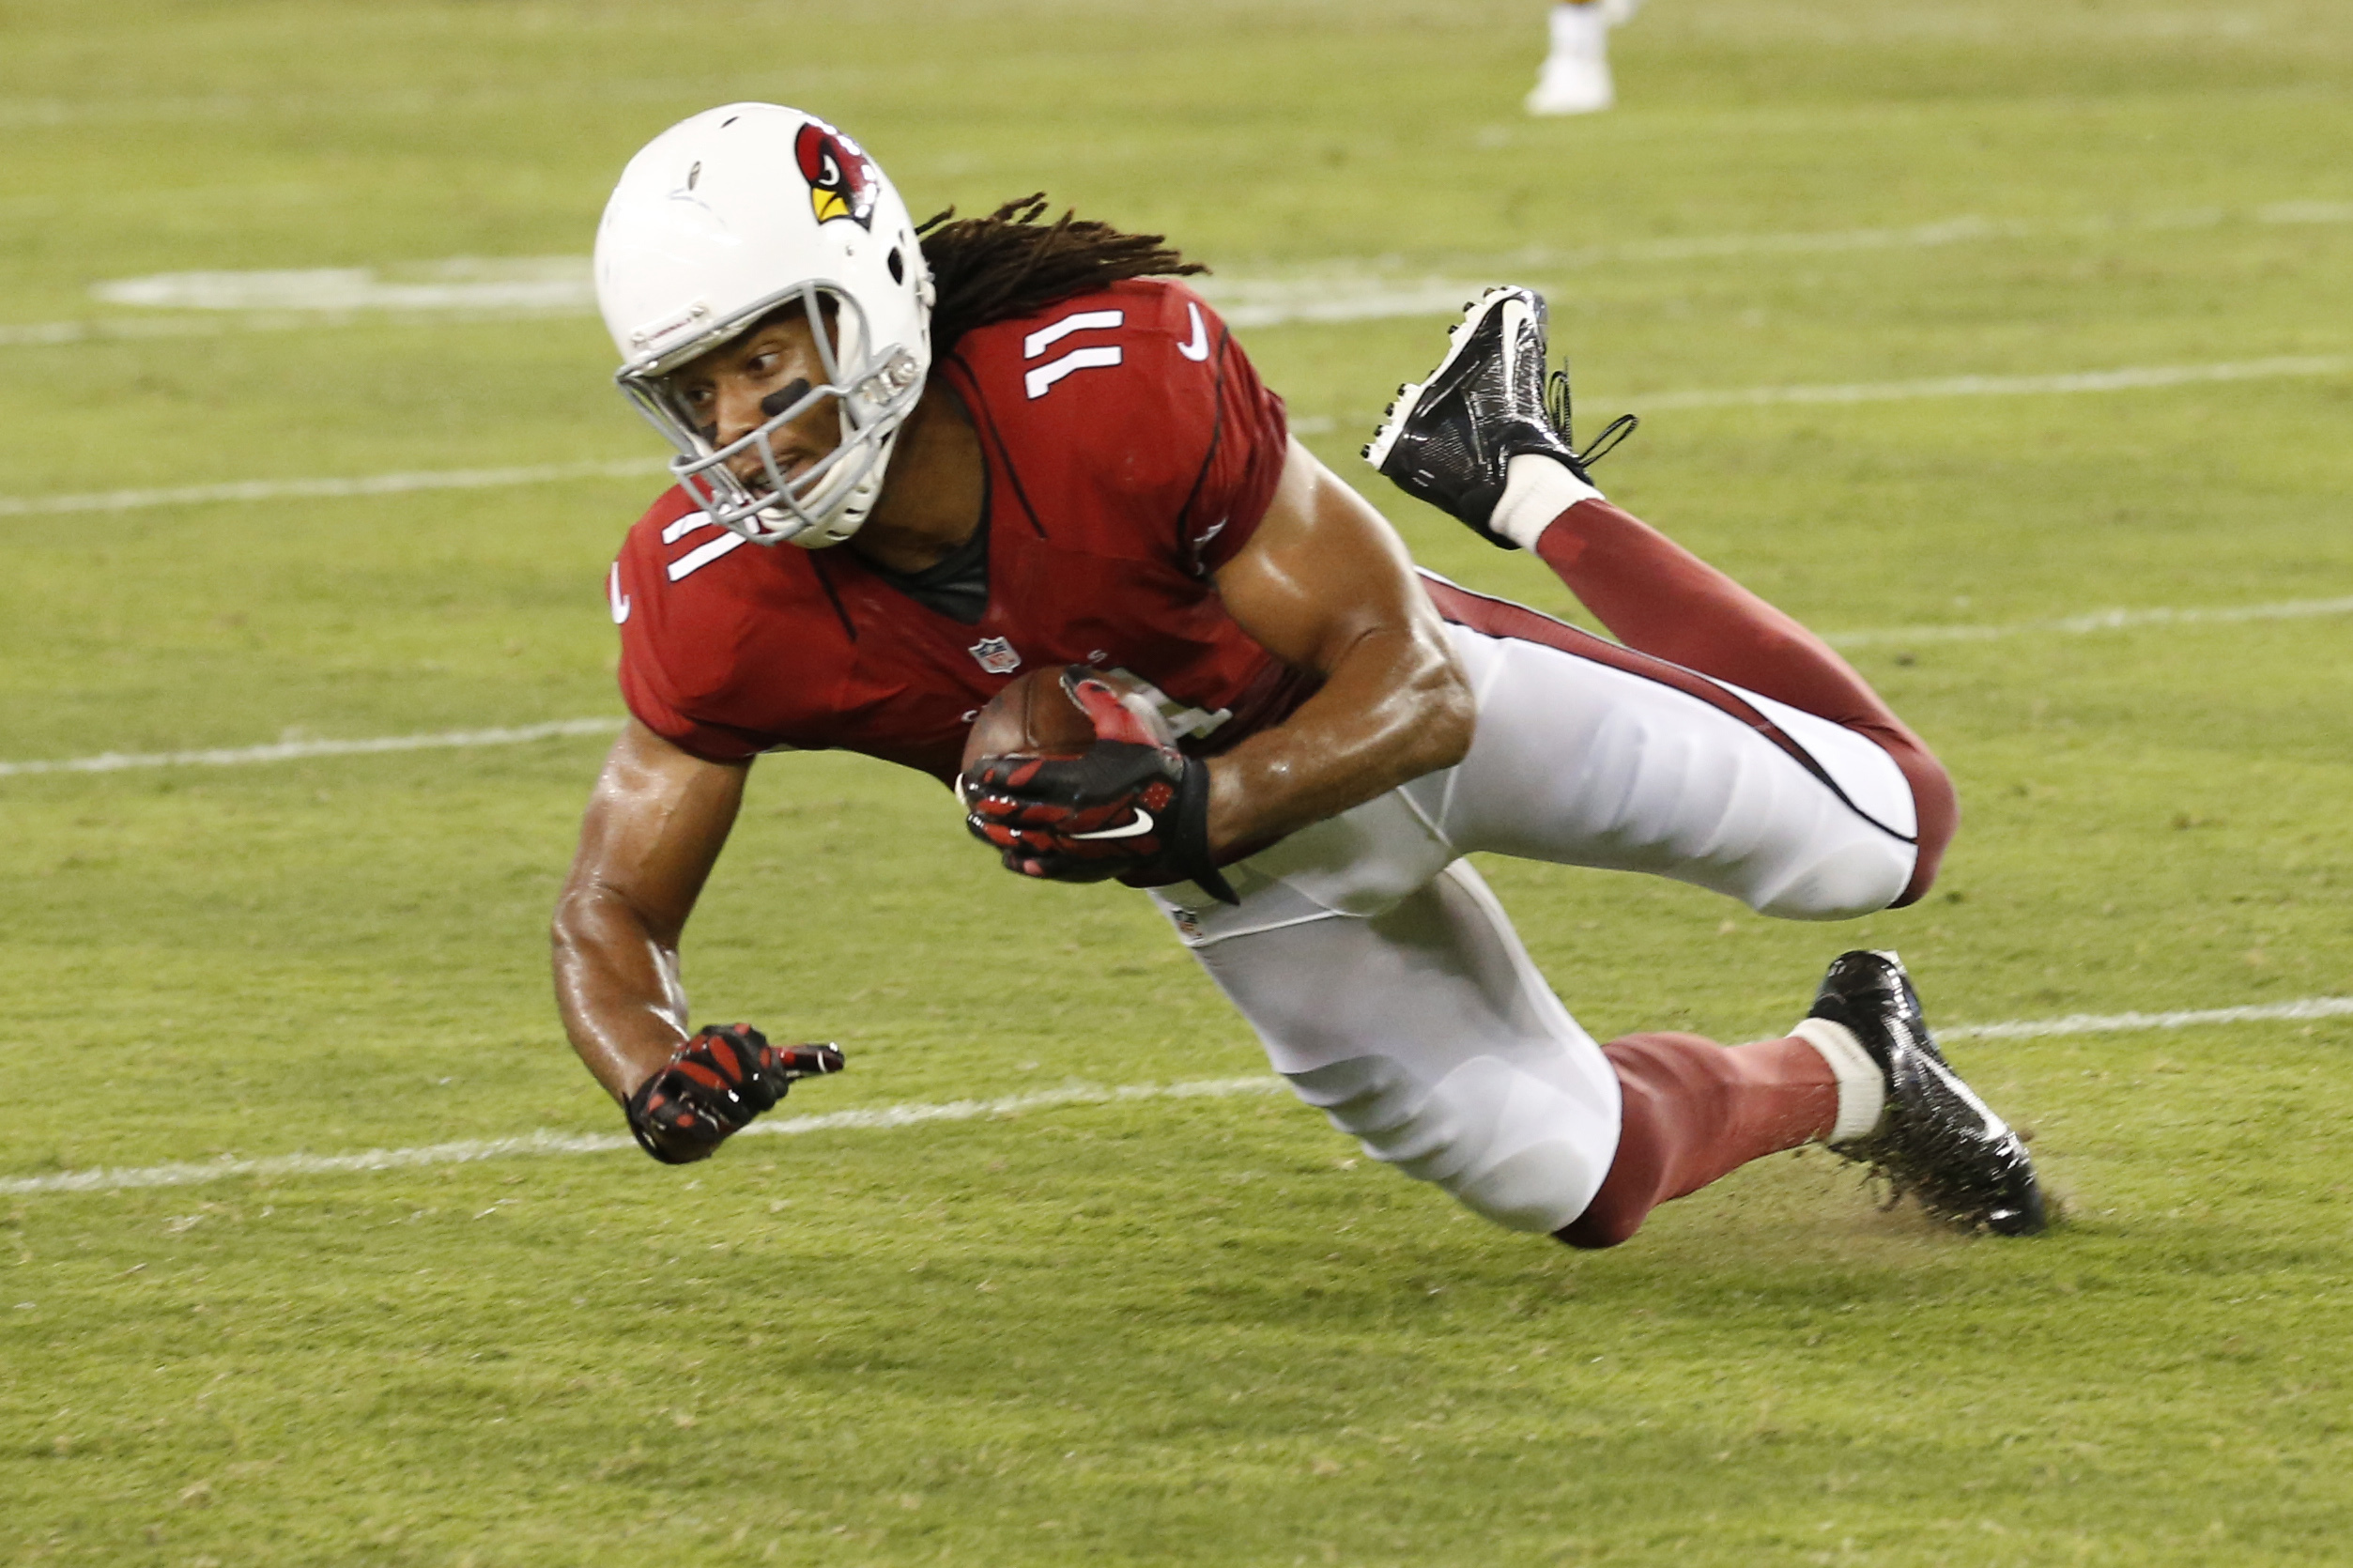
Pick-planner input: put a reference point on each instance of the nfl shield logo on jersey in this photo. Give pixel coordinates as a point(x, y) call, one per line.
point(996, 655)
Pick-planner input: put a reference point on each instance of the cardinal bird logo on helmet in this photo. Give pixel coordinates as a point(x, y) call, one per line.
point(842, 181)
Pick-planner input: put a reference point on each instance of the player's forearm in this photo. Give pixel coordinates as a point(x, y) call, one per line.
point(617, 988)
point(1394, 706)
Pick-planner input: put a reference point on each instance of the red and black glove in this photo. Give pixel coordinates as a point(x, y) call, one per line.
point(1132, 805)
point(713, 1086)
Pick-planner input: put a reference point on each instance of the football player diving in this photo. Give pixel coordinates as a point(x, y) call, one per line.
point(916, 462)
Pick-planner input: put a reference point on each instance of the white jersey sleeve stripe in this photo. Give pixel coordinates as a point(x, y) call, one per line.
point(1040, 381)
point(703, 554)
point(1047, 337)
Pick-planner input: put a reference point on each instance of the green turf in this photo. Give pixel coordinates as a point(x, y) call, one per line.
point(1199, 1330)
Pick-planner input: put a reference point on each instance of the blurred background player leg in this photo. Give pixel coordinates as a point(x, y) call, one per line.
point(1575, 79)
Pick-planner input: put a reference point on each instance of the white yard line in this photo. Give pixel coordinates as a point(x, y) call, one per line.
point(1251, 304)
point(2127, 379)
point(41, 334)
point(880, 1117)
point(1932, 236)
point(287, 751)
point(295, 490)
point(524, 285)
point(2098, 620)
point(2109, 1023)
point(887, 1117)
point(536, 288)
point(1318, 302)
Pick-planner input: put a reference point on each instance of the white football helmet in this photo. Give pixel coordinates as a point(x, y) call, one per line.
point(721, 221)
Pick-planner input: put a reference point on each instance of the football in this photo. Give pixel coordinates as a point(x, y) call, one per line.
point(1032, 717)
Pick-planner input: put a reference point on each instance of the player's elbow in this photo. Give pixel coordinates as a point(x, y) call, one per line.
point(1446, 715)
point(1453, 719)
point(573, 929)
point(590, 917)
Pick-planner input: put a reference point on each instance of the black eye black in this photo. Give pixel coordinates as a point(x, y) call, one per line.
point(784, 397)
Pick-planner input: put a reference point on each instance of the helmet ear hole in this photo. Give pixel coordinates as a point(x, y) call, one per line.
point(897, 265)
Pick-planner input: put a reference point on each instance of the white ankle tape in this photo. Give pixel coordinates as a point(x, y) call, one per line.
point(1862, 1086)
point(1536, 490)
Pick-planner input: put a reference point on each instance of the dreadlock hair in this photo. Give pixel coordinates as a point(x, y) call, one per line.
point(1013, 262)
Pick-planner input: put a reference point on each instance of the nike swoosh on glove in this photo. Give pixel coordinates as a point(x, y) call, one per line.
point(1132, 805)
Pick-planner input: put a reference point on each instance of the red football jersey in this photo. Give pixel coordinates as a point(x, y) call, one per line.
point(1132, 452)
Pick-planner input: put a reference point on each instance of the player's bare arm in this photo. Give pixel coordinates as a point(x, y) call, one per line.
point(655, 826)
point(1326, 584)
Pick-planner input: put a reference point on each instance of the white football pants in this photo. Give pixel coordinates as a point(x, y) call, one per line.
point(1388, 985)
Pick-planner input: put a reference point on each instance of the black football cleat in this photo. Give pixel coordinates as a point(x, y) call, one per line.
point(1938, 1141)
point(1449, 440)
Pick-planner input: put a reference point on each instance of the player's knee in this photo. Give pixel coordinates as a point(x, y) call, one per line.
point(1505, 1143)
point(1860, 877)
point(1938, 808)
point(1935, 804)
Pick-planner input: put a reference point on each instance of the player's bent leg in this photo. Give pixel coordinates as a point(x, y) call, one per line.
point(1485, 438)
point(1422, 1027)
point(1860, 1072)
point(1660, 599)
point(1695, 1111)
point(1426, 1032)
point(1590, 754)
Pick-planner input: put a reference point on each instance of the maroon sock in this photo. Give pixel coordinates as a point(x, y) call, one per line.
point(1694, 1110)
point(1660, 599)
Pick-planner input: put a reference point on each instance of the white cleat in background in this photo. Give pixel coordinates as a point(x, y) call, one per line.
point(1575, 79)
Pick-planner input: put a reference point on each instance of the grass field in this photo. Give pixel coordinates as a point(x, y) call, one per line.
point(1190, 1328)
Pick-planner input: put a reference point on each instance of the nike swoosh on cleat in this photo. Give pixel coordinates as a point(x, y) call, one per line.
point(1141, 824)
point(1993, 1127)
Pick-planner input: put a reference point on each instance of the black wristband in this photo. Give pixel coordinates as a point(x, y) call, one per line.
point(1193, 834)
point(1188, 854)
